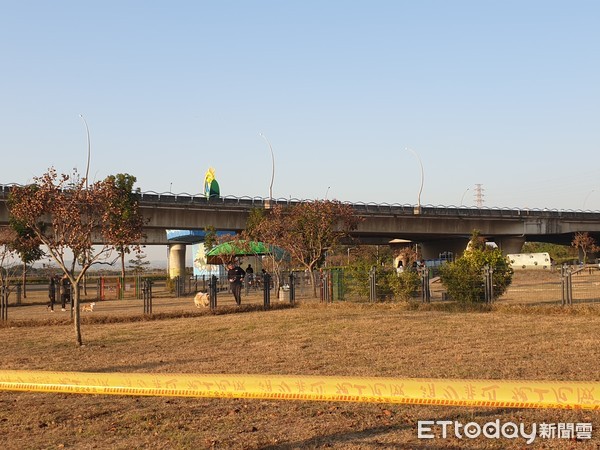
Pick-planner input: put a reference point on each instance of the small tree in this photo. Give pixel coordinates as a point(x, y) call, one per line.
point(389, 283)
point(8, 256)
point(67, 217)
point(125, 221)
point(585, 243)
point(404, 285)
point(27, 247)
point(463, 278)
point(139, 263)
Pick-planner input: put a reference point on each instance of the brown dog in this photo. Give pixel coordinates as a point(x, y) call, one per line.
point(89, 307)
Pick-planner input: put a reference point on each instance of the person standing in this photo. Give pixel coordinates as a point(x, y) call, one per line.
point(52, 293)
point(235, 275)
point(250, 274)
point(65, 294)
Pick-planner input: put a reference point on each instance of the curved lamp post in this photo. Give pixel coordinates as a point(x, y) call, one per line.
point(422, 177)
point(587, 196)
point(463, 196)
point(272, 165)
point(87, 168)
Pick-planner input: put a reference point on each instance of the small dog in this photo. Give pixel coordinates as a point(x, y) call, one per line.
point(89, 307)
point(202, 299)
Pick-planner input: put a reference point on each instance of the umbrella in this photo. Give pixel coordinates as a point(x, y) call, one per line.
point(229, 250)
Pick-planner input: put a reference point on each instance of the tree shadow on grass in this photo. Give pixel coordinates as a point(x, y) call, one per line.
point(368, 438)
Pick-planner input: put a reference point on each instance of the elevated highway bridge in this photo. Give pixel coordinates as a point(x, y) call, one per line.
point(436, 229)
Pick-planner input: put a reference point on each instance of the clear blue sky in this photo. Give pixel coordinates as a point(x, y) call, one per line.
point(500, 93)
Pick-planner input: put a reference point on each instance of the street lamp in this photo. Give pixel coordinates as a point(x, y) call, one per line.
point(350, 248)
point(272, 165)
point(463, 196)
point(586, 197)
point(422, 176)
point(87, 168)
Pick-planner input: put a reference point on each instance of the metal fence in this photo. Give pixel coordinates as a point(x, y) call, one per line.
point(569, 285)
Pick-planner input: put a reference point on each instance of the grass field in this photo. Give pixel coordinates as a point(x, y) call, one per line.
point(352, 339)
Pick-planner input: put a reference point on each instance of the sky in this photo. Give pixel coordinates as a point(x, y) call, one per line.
point(356, 98)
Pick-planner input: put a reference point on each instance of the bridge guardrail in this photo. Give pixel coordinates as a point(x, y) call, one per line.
point(360, 207)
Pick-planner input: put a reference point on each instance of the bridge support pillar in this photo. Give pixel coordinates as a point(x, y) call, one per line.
point(510, 244)
point(176, 260)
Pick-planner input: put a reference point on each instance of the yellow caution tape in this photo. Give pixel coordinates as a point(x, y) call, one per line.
point(486, 393)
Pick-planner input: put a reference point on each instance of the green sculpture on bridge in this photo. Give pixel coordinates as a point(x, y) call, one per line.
point(211, 186)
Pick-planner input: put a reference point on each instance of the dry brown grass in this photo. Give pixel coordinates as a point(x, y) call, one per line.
point(393, 339)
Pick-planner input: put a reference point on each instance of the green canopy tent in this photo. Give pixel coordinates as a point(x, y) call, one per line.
point(227, 251)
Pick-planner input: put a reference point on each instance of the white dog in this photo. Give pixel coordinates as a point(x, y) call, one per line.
point(202, 299)
point(89, 307)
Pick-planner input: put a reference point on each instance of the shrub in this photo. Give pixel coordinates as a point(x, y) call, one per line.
point(464, 279)
point(404, 285)
point(389, 284)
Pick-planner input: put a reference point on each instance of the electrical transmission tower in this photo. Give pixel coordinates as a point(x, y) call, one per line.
point(479, 195)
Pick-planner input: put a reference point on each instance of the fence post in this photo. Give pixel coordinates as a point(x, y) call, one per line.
point(212, 289)
point(373, 284)
point(266, 290)
point(338, 280)
point(3, 303)
point(488, 283)
point(147, 291)
point(566, 282)
point(563, 270)
point(425, 289)
point(325, 289)
point(570, 287)
point(292, 289)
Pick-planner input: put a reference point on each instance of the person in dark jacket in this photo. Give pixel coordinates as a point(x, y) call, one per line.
point(52, 285)
point(235, 275)
point(65, 292)
point(250, 274)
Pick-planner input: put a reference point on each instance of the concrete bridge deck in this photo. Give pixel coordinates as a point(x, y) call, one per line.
point(435, 227)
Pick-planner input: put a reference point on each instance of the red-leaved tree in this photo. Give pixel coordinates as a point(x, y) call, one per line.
point(72, 220)
point(585, 243)
point(306, 230)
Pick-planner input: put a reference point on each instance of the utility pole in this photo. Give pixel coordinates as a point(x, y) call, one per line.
point(479, 195)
